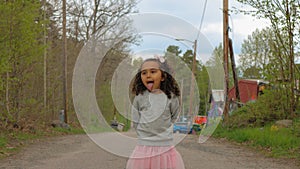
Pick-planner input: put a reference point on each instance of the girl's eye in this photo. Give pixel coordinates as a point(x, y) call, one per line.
point(153, 71)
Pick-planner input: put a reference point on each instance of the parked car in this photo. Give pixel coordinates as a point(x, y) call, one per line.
point(201, 120)
point(182, 127)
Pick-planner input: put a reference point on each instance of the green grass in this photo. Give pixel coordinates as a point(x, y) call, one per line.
point(106, 105)
point(277, 142)
point(69, 131)
point(3, 141)
point(12, 141)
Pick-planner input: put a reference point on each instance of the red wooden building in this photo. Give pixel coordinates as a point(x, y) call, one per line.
point(249, 90)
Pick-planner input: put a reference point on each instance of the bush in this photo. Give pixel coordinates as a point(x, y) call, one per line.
point(267, 108)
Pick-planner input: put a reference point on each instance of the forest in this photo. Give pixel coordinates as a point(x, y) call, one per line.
point(40, 42)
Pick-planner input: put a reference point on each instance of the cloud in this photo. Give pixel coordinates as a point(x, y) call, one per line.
point(191, 10)
point(212, 27)
point(245, 25)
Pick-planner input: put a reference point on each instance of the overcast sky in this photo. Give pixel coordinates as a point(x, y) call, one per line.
point(212, 27)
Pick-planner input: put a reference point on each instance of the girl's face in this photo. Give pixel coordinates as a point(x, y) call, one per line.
point(151, 75)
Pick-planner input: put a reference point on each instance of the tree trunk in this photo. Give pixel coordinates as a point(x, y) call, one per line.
point(291, 58)
point(7, 97)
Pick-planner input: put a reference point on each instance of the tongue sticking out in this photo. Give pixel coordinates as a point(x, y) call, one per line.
point(150, 86)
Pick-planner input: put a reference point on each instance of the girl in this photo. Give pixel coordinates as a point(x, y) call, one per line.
point(155, 107)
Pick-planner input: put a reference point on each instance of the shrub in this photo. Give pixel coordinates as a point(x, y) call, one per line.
point(267, 108)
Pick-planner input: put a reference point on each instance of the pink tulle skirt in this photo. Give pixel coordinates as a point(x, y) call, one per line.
point(155, 157)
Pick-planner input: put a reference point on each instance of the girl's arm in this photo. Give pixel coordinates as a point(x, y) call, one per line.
point(135, 115)
point(175, 108)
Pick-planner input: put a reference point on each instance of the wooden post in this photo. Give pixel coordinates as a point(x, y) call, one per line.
point(225, 56)
point(65, 97)
point(235, 77)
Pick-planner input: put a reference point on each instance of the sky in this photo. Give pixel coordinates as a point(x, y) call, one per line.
point(191, 12)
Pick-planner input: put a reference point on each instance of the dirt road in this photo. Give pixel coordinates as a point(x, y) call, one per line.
point(79, 152)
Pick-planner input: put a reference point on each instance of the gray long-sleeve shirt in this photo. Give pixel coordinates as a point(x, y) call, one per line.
point(153, 115)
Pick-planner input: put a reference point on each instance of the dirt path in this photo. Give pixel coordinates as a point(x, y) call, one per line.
point(79, 152)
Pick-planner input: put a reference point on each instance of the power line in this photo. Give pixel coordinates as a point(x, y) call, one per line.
point(231, 29)
point(202, 18)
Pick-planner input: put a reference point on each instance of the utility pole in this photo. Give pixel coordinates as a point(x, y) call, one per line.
point(193, 78)
point(45, 57)
point(225, 58)
point(65, 98)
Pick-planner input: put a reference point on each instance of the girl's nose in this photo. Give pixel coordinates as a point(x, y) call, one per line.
point(148, 74)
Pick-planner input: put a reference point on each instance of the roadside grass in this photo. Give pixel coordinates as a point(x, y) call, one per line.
point(11, 141)
point(69, 131)
point(272, 140)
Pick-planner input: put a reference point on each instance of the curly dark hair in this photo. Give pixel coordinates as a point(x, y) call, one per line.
point(168, 86)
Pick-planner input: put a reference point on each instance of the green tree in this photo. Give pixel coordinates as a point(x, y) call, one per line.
point(261, 58)
point(20, 45)
point(284, 18)
point(256, 54)
point(174, 50)
point(188, 58)
point(183, 63)
point(201, 79)
point(215, 69)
